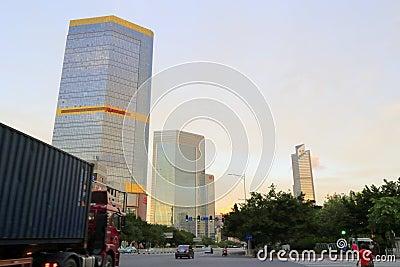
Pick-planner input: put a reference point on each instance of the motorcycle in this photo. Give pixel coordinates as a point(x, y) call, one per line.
point(224, 252)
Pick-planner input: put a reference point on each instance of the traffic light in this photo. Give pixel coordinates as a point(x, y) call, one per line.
point(187, 218)
point(198, 218)
point(210, 218)
point(223, 219)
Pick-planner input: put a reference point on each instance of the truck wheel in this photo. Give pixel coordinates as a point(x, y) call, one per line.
point(70, 263)
point(109, 261)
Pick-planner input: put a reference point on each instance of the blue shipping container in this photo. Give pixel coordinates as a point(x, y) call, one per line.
point(44, 192)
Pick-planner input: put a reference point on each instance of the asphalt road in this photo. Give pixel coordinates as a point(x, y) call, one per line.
point(201, 259)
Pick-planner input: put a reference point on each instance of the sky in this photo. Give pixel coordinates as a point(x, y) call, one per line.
point(328, 70)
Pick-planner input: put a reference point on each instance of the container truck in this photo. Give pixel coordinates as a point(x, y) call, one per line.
point(49, 216)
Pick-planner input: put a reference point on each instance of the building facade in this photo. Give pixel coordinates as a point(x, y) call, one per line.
point(102, 116)
point(302, 173)
point(178, 179)
point(210, 196)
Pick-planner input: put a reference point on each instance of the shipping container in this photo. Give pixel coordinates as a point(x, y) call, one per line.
point(44, 192)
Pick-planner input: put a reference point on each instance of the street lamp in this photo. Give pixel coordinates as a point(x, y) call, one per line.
point(244, 183)
point(245, 199)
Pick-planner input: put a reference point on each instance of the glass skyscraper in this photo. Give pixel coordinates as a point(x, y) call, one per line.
point(302, 173)
point(106, 60)
point(178, 181)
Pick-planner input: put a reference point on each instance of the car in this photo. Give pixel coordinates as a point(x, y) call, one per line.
point(184, 251)
point(128, 249)
point(209, 250)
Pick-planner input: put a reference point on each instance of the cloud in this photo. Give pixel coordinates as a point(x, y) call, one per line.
point(316, 163)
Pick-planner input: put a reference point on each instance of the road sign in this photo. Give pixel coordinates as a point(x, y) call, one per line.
point(169, 235)
point(249, 237)
point(197, 239)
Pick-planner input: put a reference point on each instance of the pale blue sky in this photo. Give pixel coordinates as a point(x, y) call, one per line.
point(329, 70)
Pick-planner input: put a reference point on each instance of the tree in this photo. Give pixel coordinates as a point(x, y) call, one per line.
point(182, 237)
point(207, 241)
point(335, 217)
point(272, 218)
point(351, 212)
point(384, 217)
point(133, 230)
point(152, 234)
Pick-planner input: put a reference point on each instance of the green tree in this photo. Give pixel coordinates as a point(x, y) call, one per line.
point(182, 237)
point(207, 241)
point(154, 234)
point(133, 230)
point(335, 217)
point(272, 218)
point(384, 217)
point(351, 212)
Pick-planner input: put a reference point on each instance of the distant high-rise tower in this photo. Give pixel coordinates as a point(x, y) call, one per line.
point(302, 173)
point(106, 60)
point(178, 180)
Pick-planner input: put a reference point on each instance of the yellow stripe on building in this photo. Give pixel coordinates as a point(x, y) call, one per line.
point(79, 110)
point(134, 188)
point(105, 109)
point(122, 22)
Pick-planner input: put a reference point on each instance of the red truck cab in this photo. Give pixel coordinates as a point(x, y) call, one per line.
point(104, 226)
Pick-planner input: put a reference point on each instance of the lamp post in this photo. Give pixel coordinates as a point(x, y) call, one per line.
point(245, 200)
point(244, 183)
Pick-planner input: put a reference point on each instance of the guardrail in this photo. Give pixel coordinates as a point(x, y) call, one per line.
point(172, 250)
point(156, 250)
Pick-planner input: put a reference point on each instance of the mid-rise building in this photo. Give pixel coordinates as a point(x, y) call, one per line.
point(106, 61)
point(178, 179)
point(302, 173)
point(99, 177)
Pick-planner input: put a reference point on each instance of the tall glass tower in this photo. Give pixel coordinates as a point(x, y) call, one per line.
point(106, 60)
point(178, 181)
point(302, 173)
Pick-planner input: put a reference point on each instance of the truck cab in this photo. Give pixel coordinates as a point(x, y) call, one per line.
point(107, 209)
